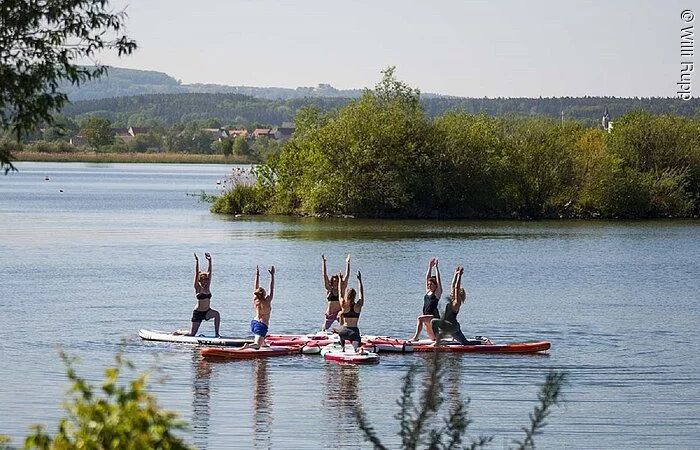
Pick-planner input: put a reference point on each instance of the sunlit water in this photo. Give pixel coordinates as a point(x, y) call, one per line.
point(96, 252)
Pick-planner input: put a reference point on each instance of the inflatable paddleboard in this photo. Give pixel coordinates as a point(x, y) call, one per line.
point(164, 336)
point(387, 345)
point(335, 352)
point(248, 353)
point(452, 346)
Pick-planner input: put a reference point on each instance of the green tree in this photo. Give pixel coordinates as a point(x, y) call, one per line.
point(222, 147)
point(372, 158)
point(240, 146)
point(467, 183)
point(40, 42)
point(98, 132)
point(145, 142)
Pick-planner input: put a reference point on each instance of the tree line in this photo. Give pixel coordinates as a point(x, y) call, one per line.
point(169, 109)
point(382, 156)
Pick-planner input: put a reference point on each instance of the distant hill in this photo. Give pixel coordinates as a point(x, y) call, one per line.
point(137, 97)
point(127, 82)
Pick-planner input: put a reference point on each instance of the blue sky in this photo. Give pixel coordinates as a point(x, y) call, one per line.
point(467, 48)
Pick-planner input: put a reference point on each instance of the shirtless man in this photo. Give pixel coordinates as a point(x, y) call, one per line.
point(263, 307)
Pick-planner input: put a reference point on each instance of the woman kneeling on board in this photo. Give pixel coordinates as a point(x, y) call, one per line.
point(202, 310)
point(262, 302)
point(449, 324)
point(433, 292)
point(350, 315)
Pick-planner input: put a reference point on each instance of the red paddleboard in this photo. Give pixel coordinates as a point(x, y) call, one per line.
point(334, 352)
point(248, 353)
point(517, 347)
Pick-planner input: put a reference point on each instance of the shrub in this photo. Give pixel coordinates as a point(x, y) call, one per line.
point(120, 417)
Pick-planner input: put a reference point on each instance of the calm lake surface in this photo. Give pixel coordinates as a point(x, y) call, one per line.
point(98, 251)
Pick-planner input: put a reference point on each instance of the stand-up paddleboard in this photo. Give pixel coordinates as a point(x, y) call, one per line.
point(387, 345)
point(248, 353)
point(164, 336)
point(479, 346)
point(318, 336)
point(335, 352)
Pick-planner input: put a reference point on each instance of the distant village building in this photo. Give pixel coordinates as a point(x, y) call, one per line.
point(267, 132)
point(284, 133)
point(233, 134)
point(216, 134)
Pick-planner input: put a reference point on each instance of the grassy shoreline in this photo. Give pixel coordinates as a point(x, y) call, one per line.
point(175, 158)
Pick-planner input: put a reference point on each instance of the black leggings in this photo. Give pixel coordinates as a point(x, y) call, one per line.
point(351, 334)
point(452, 328)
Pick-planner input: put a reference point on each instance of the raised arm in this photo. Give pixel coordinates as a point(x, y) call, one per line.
point(209, 266)
point(428, 274)
point(271, 291)
point(257, 277)
point(196, 271)
point(458, 284)
point(326, 280)
point(438, 289)
point(454, 287)
point(341, 293)
point(347, 272)
point(360, 291)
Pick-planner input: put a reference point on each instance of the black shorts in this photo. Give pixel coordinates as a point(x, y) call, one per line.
point(198, 316)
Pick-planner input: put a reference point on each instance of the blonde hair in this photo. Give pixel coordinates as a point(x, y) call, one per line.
point(259, 293)
point(461, 295)
point(203, 275)
point(350, 295)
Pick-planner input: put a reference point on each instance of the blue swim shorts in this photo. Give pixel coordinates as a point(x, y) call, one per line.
point(258, 328)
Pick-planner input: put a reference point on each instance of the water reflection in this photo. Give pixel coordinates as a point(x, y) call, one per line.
point(262, 405)
point(200, 399)
point(341, 398)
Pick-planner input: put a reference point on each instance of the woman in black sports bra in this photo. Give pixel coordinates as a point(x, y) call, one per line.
point(433, 292)
point(350, 316)
point(332, 298)
point(202, 310)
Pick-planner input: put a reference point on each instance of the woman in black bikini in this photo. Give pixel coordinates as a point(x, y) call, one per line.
point(332, 298)
point(350, 315)
point(202, 310)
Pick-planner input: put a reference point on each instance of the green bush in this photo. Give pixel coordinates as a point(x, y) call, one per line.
point(115, 416)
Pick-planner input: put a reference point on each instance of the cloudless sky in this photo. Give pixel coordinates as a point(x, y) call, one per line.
point(503, 48)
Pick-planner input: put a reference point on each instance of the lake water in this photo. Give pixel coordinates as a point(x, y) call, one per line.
point(98, 251)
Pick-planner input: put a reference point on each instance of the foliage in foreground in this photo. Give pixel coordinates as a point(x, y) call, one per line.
point(417, 423)
point(120, 417)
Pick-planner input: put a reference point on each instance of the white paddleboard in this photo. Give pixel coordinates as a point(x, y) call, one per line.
point(201, 339)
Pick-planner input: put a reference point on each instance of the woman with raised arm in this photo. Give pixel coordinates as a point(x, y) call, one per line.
point(350, 315)
point(262, 303)
point(449, 324)
point(433, 292)
point(332, 298)
point(202, 310)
